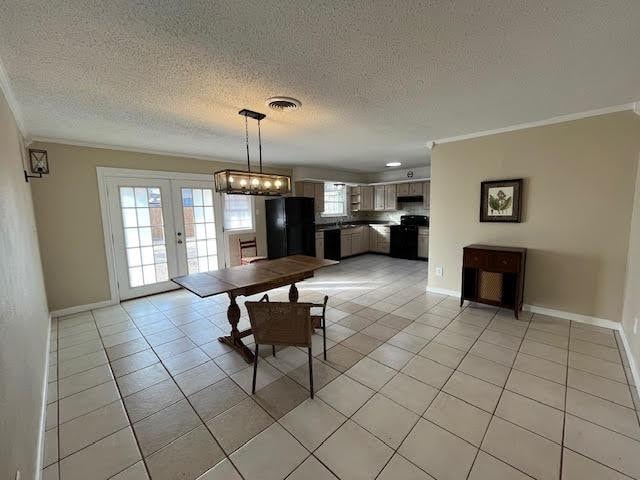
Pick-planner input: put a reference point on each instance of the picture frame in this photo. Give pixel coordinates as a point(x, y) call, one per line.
point(501, 200)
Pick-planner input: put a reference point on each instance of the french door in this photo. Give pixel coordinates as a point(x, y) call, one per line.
point(162, 228)
point(199, 240)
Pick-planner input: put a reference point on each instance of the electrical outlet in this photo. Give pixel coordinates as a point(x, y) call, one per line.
point(635, 325)
point(439, 271)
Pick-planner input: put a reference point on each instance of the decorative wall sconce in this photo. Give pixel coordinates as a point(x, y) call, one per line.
point(38, 164)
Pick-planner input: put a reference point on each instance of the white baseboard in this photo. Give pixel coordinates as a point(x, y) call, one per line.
point(82, 308)
point(633, 366)
point(43, 407)
point(444, 291)
point(576, 317)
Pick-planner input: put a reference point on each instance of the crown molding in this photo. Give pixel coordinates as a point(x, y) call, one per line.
point(5, 86)
point(103, 146)
point(549, 121)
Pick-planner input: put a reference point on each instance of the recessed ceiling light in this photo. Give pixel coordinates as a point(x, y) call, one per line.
point(394, 164)
point(283, 103)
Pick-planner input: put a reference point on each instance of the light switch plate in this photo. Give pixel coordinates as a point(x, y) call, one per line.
point(439, 271)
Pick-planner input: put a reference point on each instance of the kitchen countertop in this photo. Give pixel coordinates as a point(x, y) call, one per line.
point(356, 223)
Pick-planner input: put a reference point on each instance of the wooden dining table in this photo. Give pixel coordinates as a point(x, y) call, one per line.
point(248, 280)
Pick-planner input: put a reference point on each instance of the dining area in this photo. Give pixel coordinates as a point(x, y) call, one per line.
point(278, 324)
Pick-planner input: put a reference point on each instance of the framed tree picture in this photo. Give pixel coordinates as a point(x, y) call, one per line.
point(501, 200)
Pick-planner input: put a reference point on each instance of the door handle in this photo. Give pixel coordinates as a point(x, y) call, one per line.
point(180, 241)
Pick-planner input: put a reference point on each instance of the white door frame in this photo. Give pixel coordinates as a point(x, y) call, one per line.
point(103, 173)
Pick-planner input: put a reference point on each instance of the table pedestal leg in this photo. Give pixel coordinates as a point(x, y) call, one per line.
point(293, 293)
point(234, 340)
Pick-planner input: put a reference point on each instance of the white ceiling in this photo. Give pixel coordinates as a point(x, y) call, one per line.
point(377, 79)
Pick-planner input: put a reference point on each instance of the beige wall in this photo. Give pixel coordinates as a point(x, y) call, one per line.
point(631, 309)
point(67, 210)
point(24, 319)
point(578, 196)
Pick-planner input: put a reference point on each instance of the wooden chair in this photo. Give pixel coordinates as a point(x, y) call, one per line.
point(281, 323)
point(249, 245)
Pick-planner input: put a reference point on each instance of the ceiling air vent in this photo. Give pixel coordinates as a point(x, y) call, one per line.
point(283, 104)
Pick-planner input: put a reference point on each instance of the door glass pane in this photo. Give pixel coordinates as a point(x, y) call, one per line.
point(129, 217)
point(144, 235)
point(199, 229)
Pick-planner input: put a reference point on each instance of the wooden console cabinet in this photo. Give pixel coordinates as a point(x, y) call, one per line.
point(494, 275)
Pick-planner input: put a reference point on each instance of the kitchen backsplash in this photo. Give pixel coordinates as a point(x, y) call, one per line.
point(409, 208)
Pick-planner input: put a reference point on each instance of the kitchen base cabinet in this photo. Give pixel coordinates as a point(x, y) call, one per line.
point(320, 245)
point(423, 245)
point(356, 244)
point(345, 244)
point(358, 240)
point(352, 241)
point(380, 238)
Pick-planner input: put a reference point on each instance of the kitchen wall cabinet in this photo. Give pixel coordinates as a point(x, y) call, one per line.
point(390, 197)
point(409, 189)
point(354, 203)
point(318, 196)
point(379, 197)
point(313, 190)
point(426, 194)
point(403, 189)
point(415, 189)
point(366, 198)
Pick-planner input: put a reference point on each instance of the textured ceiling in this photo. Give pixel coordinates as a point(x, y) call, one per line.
point(377, 79)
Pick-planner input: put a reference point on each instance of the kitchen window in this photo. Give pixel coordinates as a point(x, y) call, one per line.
point(335, 200)
point(238, 212)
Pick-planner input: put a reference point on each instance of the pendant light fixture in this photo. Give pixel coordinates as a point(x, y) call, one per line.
point(239, 182)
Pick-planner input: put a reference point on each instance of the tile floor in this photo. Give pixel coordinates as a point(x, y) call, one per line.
point(414, 388)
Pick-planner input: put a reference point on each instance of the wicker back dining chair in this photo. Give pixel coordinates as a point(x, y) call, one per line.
point(280, 323)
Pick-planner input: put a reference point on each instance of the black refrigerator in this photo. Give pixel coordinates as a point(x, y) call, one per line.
point(291, 227)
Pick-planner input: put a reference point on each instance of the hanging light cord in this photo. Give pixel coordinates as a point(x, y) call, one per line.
point(260, 146)
point(246, 136)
